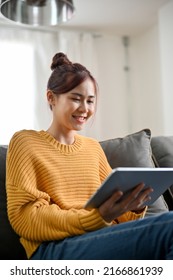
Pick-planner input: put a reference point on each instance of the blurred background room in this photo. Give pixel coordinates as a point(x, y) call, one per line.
point(126, 44)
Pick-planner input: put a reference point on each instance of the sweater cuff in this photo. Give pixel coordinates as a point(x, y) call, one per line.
point(130, 216)
point(92, 220)
point(140, 214)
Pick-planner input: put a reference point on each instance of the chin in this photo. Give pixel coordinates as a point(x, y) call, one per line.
point(78, 128)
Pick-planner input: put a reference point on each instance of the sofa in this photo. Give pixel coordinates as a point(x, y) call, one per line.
point(138, 149)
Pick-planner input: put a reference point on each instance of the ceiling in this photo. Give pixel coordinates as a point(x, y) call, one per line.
point(119, 17)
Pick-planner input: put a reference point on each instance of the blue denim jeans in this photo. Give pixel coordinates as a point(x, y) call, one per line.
point(146, 239)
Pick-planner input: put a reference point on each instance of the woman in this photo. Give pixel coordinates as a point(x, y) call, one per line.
point(51, 174)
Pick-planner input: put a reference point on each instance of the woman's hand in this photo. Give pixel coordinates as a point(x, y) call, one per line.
point(117, 205)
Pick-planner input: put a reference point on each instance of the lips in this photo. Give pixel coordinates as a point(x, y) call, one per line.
point(80, 119)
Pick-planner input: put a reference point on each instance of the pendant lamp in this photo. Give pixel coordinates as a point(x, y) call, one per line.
point(37, 12)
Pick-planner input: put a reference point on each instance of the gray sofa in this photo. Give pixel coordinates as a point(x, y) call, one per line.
point(137, 149)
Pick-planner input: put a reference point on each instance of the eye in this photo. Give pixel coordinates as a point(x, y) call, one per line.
point(90, 101)
point(76, 99)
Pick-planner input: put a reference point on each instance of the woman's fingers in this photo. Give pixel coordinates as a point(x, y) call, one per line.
point(119, 203)
point(138, 195)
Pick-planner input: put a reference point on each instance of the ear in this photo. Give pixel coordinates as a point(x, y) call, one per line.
point(50, 98)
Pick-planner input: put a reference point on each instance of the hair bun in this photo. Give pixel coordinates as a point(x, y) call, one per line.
point(59, 59)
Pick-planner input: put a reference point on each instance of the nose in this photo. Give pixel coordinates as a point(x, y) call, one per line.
point(83, 107)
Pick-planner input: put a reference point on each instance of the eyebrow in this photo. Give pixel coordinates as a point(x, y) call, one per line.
point(81, 95)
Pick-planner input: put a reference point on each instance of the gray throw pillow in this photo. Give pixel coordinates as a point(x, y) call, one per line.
point(162, 148)
point(134, 150)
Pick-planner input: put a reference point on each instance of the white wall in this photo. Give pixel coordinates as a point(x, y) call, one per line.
point(143, 96)
point(166, 43)
point(146, 82)
point(130, 100)
point(112, 99)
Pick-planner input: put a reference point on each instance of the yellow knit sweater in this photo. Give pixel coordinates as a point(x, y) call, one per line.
point(48, 184)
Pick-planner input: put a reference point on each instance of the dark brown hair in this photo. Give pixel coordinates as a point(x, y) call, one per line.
point(67, 75)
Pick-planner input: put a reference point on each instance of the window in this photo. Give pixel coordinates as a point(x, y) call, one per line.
point(17, 88)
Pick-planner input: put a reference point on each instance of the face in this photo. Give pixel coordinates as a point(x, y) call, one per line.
point(71, 110)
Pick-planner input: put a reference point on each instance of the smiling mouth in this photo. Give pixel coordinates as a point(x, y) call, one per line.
point(80, 119)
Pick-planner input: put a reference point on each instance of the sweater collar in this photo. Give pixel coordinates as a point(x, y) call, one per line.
point(63, 148)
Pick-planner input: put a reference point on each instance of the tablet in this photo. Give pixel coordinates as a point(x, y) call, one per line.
point(125, 179)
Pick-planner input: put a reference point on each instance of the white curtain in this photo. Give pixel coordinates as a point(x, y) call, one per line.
point(25, 57)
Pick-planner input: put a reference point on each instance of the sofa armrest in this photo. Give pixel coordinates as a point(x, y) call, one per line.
point(10, 246)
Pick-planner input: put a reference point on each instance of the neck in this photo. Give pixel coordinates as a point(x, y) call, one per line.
point(67, 138)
